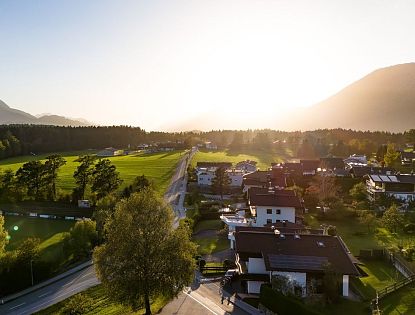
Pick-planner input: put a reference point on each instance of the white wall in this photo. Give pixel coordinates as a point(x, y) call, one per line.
point(256, 265)
point(236, 179)
point(254, 287)
point(287, 214)
point(345, 285)
point(205, 178)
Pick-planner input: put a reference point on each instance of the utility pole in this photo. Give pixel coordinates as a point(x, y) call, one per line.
point(31, 269)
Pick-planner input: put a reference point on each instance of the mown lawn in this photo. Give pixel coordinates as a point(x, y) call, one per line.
point(159, 167)
point(380, 275)
point(401, 302)
point(209, 245)
point(208, 225)
point(264, 159)
point(47, 230)
point(103, 305)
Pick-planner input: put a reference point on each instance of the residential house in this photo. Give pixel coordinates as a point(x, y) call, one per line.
point(331, 163)
point(225, 165)
point(108, 152)
point(247, 166)
point(270, 205)
point(262, 179)
point(262, 255)
point(309, 167)
point(401, 187)
point(356, 159)
point(361, 171)
point(407, 158)
point(210, 145)
point(205, 176)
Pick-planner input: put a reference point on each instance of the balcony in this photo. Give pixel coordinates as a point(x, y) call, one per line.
point(234, 220)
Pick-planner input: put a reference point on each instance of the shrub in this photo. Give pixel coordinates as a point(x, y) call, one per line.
point(77, 305)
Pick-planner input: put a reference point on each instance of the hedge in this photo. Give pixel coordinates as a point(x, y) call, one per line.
point(281, 304)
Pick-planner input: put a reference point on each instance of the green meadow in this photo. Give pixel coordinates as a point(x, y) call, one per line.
point(263, 158)
point(159, 167)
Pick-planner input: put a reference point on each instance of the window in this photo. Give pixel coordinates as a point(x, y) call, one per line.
point(269, 211)
point(269, 221)
point(278, 211)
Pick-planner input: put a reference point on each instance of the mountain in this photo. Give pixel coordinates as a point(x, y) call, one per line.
point(10, 115)
point(383, 100)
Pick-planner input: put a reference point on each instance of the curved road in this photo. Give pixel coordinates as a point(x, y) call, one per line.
point(200, 299)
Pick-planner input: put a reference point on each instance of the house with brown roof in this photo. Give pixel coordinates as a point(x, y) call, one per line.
point(270, 205)
point(262, 179)
point(301, 258)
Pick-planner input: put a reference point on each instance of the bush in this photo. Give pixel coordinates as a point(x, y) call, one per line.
point(281, 304)
point(77, 305)
point(409, 228)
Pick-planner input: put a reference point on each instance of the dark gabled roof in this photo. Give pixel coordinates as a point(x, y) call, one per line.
point(214, 164)
point(268, 190)
point(310, 165)
point(253, 163)
point(360, 171)
point(263, 178)
point(305, 253)
point(332, 163)
point(289, 228)
point(277, 198)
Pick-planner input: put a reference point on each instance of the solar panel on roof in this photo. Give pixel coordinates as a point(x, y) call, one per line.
point(375, 178)
point(384, 178)
point(393, 179)
point(296, 262)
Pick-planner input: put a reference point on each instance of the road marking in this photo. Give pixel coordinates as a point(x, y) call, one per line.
point(17, 306)
point(44, 294)
point(86, 275)
point(209, 309)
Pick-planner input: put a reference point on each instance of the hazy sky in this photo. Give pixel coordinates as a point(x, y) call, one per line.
point(158, 64)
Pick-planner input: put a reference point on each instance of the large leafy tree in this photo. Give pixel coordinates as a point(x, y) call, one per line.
point(52, 165)
point(105, 178)
point(32, 176)
point(139, 183)
point(391, 157)
point(143, 256)
point(83, 174)
point(81, 239)
point(221, 182)
point(7, 185)
point(392, 219)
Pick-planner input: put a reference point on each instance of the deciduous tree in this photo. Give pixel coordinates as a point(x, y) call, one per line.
point(143, 256)
point(3, 236)
point(83, 174)
point(32, 176)
point(52, 165)
point(392, 219)
point(221, 182)
point(105, 178)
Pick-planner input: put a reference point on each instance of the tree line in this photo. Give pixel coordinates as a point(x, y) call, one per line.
point(36, 180)
point(18, 140)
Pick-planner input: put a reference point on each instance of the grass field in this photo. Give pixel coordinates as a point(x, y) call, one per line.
point(159, 167)
point(208, 225)
point(47, 230)
point(264, 159)
point(401, 302)
point(102, 305)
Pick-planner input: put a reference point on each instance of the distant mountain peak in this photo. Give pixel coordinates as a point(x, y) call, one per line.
point(10, 115)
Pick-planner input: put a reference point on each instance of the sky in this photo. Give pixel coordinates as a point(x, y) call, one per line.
point(169, 65)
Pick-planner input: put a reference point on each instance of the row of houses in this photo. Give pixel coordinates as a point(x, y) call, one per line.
point(270, 240)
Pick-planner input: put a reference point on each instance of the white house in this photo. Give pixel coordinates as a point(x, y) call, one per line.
point(301, 258)
point(210, 145)
point(107, 152)
point(401, 187)
point(262, 179)
point(273, 205)
point(205, 176)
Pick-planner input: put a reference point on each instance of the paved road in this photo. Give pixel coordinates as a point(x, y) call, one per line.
point(52, 293)
point(199, 299)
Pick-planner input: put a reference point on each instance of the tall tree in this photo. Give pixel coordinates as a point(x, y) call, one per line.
point(3, 236)
point(392, 219)
point(81, 239)
point(83, 174)
point(144, 257)
point(139, 183)
point(7, 185)
point(221, 182)
point(358, 192)
point(52, 165)
point(32, 176)
point(392, 156)
point(105, 178)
